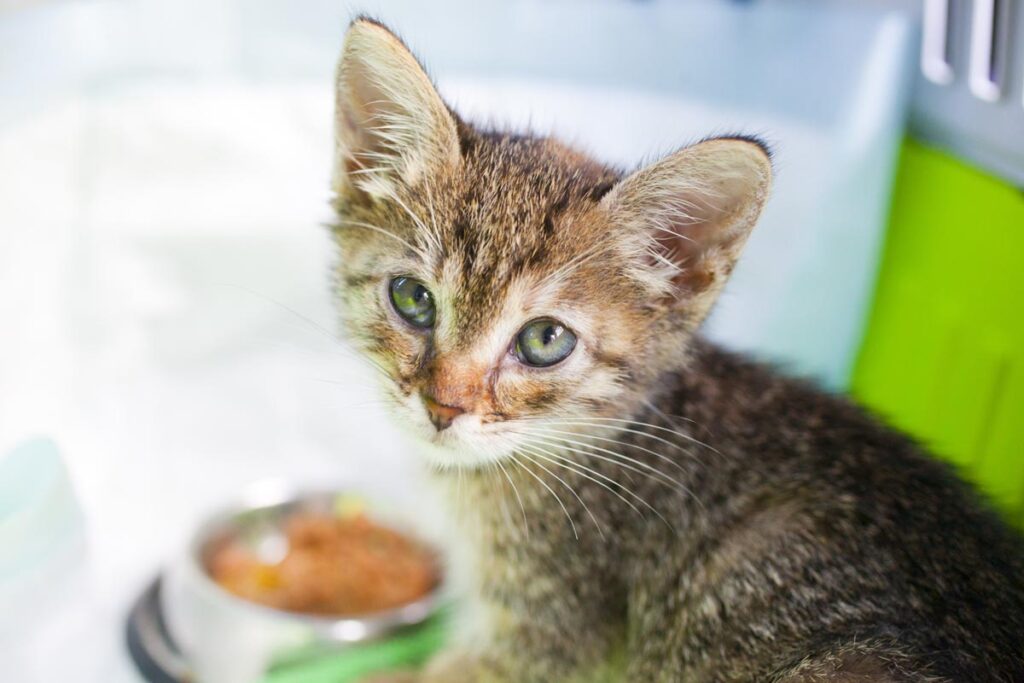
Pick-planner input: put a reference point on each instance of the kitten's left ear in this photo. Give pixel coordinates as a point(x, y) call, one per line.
point(391, 125)
point(693, 212)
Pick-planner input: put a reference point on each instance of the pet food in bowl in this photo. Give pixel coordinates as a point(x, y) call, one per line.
point(327, 565)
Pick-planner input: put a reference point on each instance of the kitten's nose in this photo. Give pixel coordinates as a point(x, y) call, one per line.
point(440, 414)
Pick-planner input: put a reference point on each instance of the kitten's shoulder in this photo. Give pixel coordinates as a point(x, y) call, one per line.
point(792, 431)
point(740, 392)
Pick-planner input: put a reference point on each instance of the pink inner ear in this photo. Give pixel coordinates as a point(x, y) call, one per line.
point(389, 117)
point(696, 273)
point(703, 241)
point(354, 142)
point(698, 207)
point(363, 110)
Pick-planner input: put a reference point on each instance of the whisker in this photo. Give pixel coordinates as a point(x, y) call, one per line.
point(351, 375)
point(648, 471)
point(515, 490)
point(615, 459)
point(556, 439)
point(604, 439)
point(543, 483)
point(336, 347)
point(671, 418)
point(306, 319)
point(667, 416)
point(577, 262)
point(433, 218)
point(638, 423)
point(583, 472)
point(571, 490)
point(376, 228)
point(418, 221)
point(458, 489)
point(373, 403)
point(496, 490)
point(616, 427)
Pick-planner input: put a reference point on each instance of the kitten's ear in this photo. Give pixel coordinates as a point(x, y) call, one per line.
point(693, 211)
point(391, 126)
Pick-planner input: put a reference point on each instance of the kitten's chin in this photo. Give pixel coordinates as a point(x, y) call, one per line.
point(449, 451)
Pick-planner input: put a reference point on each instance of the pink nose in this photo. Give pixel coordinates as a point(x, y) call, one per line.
point(440, 414)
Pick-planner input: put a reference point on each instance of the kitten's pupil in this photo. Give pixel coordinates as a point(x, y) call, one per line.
point(550, 333)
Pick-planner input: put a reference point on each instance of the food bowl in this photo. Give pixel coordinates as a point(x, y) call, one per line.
point(229, 639)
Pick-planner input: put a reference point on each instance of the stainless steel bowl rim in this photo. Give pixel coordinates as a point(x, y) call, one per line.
point(267, 496)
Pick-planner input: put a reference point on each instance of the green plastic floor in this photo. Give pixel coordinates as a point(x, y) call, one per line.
point(406, 651)
point(943, 357)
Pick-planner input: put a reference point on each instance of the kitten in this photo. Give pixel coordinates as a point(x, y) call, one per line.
point(633, 502)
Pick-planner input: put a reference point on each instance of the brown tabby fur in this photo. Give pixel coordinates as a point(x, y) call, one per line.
point(652, 508)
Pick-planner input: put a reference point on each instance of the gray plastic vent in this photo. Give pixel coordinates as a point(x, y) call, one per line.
point(970, 98)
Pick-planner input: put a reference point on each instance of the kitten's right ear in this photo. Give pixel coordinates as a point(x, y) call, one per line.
point(391, 125)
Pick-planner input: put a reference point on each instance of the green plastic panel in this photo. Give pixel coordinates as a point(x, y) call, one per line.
point(943, 355)
point(408, 650)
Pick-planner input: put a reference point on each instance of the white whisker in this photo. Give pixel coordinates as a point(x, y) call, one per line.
point(605, 439)
point(671, 418)
point(583, 473)
point(336, 346)
point(376, 228)
point(526, 525)
point(556, 438)
point(419, 224)
point(543, 483)
point(571, 490)
point(637, 423)
point(615, 459)
point(616, 427)
point(433, 219)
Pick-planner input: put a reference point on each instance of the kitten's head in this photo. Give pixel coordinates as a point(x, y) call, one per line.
point(499, 279)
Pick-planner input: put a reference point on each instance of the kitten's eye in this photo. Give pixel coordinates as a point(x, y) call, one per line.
point(544, 342)
point(413, 301)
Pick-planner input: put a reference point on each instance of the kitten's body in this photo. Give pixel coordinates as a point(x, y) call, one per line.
point(816, 543)
point(646, 507)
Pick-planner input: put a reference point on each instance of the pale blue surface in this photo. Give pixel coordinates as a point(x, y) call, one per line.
point(25, 475)
point(37, 508)
point(840, 74)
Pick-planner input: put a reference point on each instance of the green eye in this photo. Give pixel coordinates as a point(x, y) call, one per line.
point(413, 301)
point(544, 342)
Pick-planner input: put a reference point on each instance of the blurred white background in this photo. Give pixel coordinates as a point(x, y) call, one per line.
point(165, 276)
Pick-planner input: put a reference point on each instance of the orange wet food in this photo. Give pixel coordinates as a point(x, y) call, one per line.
point(332, 567)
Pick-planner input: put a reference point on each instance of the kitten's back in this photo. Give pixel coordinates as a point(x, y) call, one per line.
point(898, 545)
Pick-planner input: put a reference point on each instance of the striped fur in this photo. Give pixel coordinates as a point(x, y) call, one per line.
point(651, 508)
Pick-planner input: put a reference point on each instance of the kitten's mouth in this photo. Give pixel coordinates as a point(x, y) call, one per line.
point(467, 442)
point(450, 437)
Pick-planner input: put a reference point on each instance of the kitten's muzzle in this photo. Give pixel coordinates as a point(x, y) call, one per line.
point(441, 415)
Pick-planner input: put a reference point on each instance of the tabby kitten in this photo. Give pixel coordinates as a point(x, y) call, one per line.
point(632, 502)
